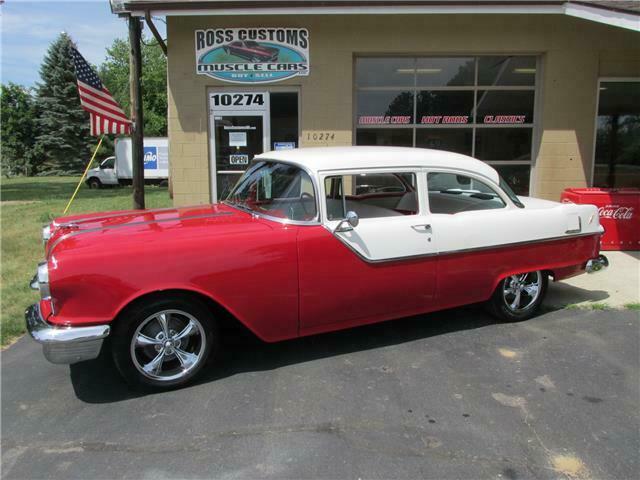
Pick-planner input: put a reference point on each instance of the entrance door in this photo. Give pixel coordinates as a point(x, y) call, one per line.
point(241, 130)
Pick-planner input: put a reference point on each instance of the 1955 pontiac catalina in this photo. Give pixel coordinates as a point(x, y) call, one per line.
point(308, 241)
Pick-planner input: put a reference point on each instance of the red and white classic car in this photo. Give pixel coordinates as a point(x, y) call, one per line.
point(308, 241)
point(252, 51)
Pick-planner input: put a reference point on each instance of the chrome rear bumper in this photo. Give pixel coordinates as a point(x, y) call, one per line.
point(596, 264)
point(65, 344)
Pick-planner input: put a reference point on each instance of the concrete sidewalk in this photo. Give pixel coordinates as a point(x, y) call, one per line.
point(616, 286)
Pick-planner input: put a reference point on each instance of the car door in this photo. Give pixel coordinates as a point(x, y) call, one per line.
point(476, 226)
point(108, 172)
point(384, 267)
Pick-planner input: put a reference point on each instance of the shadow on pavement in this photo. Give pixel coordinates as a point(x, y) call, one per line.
point(98, 381)
point(561, 294)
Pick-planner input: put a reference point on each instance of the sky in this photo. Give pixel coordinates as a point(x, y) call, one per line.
point(28, 28)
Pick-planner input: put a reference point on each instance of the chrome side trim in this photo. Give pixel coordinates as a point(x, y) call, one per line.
point(65, 345)
point(576, 230)
point(112, 215)
point(146, 222)
point(456, 252)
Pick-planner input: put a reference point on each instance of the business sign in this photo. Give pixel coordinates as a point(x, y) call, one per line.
point(239, 159)
point(252, 55)
point(150, 158)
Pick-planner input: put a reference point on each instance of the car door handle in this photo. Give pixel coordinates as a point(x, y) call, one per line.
point(421, 227)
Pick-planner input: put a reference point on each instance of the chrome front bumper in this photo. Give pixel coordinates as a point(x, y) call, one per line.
point(596, 264)
point(65, 344)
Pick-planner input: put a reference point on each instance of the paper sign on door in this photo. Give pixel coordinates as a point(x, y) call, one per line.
point(237, 139)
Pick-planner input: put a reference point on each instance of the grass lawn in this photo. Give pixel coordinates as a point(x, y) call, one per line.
point(27, 204)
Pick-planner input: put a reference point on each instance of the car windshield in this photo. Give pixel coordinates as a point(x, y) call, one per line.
point(510, 193)
point(277, 190)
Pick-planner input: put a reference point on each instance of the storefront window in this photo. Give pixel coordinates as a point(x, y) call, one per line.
point(617, 156)
point(458, 140)
point(386, 137)
point(387, 107)
point(480, 106)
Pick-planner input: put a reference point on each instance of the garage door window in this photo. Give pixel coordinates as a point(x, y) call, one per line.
point(483, 106)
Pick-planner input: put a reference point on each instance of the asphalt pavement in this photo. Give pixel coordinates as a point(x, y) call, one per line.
point(447, 395)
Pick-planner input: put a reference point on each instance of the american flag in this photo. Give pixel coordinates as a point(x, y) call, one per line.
point(106, 114)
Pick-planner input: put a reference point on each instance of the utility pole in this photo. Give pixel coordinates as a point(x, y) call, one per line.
point(137, 134)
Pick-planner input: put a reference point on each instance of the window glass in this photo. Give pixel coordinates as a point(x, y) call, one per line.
point(108, 163)
point(516, 176)
point(385, 137)
point(503, 143)
point(450, 194)
point(440, 71)
point(385, 107)
point(509, 71)
point(504, 107)
point(617, 157)
point(458, 140)
point(385, 72)
point(371, 195)
point(275, 189)
point(438, 107)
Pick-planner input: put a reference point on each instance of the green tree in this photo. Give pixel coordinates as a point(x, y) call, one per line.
point(114, 73)
point(17, 130)
point(63, 140)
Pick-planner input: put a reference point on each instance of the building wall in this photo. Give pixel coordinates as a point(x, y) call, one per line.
point(574, 54)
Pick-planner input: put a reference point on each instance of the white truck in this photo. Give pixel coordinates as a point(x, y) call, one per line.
point(117, 170)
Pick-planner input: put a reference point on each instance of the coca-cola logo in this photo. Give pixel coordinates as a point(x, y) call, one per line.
point(616, 212)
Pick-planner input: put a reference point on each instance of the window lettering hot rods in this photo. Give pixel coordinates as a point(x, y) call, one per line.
point(252, 55)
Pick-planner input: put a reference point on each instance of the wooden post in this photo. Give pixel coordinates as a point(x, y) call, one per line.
point(135, 88)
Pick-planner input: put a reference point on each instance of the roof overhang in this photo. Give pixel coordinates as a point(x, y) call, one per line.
point(584, 10)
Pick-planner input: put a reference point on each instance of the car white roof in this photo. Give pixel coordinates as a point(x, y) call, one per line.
point(320, 159)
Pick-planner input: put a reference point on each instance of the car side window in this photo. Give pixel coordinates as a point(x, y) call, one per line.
point(371, 195)
point(450, 193)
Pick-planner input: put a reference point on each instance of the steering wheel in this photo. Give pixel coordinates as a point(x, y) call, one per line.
point(303, 197)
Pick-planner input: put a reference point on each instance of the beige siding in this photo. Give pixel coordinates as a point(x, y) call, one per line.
point(574, 54)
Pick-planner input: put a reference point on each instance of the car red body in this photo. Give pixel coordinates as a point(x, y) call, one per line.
point(280, 279)
point(252, 51)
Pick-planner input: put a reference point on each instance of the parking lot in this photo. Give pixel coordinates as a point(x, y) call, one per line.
point(447, 395)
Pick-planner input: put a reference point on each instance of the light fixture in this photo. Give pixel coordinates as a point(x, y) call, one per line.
point(411, 71)
point(524, 70)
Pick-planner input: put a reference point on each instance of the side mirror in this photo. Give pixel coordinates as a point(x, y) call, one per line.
point(349, 223)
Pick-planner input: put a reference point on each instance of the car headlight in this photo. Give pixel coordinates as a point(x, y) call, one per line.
point(42, 276)
point(46, 233)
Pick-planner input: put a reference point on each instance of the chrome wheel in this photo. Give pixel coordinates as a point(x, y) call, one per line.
point(520, 292)
point(168, 345)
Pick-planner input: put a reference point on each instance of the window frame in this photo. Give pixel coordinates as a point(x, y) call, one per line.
point(420, 189)
point(508, 204)
point(534, 125)
point(595, 116)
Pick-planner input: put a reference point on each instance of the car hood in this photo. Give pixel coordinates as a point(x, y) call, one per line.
point(128, 223)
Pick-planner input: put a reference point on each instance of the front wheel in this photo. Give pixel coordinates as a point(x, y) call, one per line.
point(94, 182)
point(518, 297)
point(164, 343)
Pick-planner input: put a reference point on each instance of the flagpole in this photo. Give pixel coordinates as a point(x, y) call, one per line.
point(95, 152)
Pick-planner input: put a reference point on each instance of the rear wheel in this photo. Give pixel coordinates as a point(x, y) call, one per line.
point(518, 297)
point(164, 343)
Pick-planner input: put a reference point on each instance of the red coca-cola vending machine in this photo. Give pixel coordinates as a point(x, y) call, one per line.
point(619, 214)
